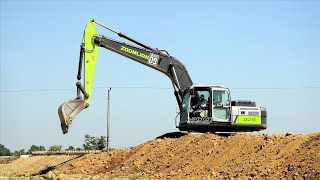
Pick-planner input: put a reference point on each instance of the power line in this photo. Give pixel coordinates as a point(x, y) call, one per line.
point(34, 90)
point(73, 89)
point(279, 88)
point(150, 87)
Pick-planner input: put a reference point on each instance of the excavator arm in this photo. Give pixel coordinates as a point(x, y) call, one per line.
point(157, 59)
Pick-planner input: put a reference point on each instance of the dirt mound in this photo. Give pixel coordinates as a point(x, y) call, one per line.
point(6, 160)
point(208, 156)
point(27, 166)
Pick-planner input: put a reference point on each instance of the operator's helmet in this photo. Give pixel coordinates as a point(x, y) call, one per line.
point(201, 97)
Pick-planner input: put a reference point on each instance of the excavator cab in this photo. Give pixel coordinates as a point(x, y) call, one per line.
point(208, 108)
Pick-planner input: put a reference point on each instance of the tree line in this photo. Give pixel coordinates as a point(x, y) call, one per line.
point(90, 143)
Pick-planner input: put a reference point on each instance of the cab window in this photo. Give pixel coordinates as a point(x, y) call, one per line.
point(185, 102)
point(220, 97)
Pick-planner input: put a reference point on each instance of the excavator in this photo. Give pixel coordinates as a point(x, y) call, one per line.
point(202, 108)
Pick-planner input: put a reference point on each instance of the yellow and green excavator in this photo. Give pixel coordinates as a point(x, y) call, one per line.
point(203, 108)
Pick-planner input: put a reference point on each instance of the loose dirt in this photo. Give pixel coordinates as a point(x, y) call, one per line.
point(205, 156)
point(29, 166)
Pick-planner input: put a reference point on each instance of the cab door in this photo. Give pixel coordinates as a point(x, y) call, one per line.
point(185, 108)
point(220, 105)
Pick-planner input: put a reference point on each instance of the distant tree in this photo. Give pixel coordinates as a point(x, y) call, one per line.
point(94, 143)
point(36, 148)
point(89, 142)
point(70, 148)
point(55, 148)
point(102, 143)
point(4, 151)
point(41, 148)
point(33, 148)
point(15, 153)
point(78, 149)
point(20, 152)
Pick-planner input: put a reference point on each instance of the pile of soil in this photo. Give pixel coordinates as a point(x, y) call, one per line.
point(7, 160)
point(207, 156)
point(28, 166)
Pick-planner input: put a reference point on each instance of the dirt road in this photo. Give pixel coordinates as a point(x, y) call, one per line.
point(204, 156)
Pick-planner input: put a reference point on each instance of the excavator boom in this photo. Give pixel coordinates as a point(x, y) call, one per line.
point(143, 54)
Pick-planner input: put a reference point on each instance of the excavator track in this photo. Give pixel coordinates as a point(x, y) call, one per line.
point(179, 134)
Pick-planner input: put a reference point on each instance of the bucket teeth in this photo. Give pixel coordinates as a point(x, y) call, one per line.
point(68, 110)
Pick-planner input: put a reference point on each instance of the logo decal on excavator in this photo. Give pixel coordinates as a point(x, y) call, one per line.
point(248, 120)
point(134, 52)
point(152, 59)
point(202, 119)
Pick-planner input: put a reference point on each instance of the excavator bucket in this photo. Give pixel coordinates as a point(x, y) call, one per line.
point(68, 110)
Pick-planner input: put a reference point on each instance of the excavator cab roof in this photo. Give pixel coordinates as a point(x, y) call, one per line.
point(206, 86)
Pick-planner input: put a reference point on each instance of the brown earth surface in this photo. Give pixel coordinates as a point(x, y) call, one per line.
point(29, 166)
point(198, 156)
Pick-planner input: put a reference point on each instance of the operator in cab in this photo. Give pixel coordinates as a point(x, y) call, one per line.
point(202, 102)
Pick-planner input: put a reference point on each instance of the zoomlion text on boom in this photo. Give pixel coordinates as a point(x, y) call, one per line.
point(131, 51)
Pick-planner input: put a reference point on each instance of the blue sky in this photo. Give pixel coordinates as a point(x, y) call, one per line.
point(267, 51)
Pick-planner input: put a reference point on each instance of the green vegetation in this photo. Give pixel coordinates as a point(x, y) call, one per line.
point(90, 143)
point(70, 148)
point(94, 143)
point(4, 151)
point(55, 148)
point(36, 148)
point(20, 152)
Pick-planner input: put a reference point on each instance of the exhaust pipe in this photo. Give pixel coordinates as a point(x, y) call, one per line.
point(68, 110)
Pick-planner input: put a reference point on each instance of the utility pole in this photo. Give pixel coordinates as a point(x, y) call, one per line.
point(108, 120)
